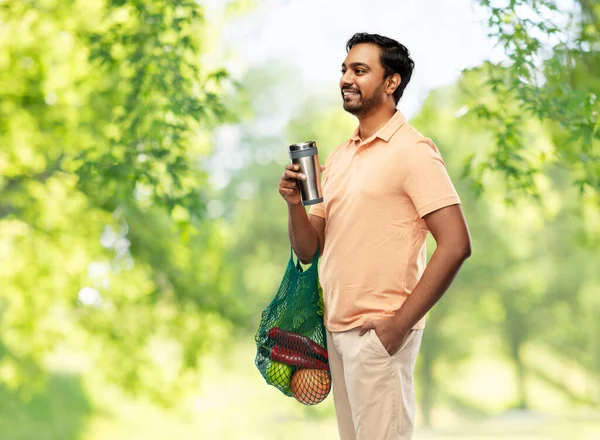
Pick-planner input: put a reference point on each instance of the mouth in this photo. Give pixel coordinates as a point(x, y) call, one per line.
point(349, 93)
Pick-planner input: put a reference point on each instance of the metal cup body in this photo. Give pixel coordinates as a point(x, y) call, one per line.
point(306, 156)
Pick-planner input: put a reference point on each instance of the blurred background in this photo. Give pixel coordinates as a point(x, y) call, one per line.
point(141, 232)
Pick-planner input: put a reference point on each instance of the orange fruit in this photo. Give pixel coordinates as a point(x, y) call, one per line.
point(310, 386)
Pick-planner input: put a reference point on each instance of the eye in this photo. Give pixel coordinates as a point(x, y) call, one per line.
point(359, 71)
point(343, 71)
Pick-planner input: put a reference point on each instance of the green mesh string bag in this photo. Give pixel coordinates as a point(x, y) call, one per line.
point(291, 347)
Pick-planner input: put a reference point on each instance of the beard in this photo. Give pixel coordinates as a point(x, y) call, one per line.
point(359, 105)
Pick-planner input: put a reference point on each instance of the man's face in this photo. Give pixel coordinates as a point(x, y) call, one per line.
point(362, 82)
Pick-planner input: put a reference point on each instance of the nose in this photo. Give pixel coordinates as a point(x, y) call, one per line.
point(346, 79)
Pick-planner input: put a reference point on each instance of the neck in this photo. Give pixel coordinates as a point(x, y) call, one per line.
point(370, 123)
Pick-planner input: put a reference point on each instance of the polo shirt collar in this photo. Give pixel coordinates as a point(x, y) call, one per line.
point(386, 132)
point(392, 126)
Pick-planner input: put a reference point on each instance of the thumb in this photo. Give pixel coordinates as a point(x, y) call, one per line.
point(368, 325)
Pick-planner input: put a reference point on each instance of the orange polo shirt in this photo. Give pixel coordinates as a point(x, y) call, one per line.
point(375, 193)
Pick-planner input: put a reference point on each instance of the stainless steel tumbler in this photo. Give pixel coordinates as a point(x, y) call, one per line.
point(306, 156)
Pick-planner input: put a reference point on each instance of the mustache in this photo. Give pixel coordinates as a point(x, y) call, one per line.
point(350, 88)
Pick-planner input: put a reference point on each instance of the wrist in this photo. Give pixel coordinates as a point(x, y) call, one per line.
point(400, 323)
point(296, 208)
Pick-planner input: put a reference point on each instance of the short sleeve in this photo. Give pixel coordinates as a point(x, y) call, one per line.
point(317, 209)
point(426, 180)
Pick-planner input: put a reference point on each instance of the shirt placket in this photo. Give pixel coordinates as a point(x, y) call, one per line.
point(361, 147)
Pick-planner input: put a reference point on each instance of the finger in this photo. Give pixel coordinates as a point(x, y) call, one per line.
point(322, 168)
point(288, 178)
point(288, 175)
point(294, 171)
point(289, 185)
point(368, 325)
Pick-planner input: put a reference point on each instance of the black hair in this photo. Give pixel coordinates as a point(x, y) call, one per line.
point(394, 57)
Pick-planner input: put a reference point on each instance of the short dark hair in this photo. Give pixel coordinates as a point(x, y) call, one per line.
point(395, 58)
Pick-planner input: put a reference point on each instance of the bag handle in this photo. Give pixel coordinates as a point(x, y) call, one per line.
point(314, 262)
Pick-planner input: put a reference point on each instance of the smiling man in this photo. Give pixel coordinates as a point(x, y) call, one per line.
point(384, 190)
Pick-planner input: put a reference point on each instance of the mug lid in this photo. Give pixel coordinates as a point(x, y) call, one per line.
point(303, 146)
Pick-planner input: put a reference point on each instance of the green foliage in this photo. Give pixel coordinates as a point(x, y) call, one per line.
point(115, 250)
point(105, 114)
point(156, 96)
point(549, 76)
point(532, 265)
point(58, 411)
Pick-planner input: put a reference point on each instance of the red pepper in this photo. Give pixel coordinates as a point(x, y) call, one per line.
point(295, 358)
point(296, 342)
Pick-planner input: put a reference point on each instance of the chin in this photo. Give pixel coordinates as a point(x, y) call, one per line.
point(352, 109)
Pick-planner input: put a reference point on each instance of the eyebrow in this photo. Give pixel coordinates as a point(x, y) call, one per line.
point(355, 65)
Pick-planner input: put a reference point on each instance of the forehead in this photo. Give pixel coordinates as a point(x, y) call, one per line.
point(364, 53)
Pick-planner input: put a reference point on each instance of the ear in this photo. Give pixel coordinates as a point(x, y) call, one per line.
point(393, 82)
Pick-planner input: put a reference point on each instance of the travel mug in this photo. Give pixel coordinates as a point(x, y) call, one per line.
point(306, 156)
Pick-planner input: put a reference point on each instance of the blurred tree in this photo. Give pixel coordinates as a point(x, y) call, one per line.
point(551, 74)
point(105, 113)
point(517, 280)
point(60, 410)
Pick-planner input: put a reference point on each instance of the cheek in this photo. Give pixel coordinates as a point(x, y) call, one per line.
point(362, 86)
point(371, 88)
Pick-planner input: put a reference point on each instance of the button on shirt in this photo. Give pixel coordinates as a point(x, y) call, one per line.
point(375, 195)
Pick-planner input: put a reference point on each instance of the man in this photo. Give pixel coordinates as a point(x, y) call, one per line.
point(384, 190)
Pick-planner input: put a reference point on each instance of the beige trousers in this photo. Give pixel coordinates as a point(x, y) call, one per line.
point(373, 392)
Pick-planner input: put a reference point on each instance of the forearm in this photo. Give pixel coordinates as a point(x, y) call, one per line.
point(437, 277)
point(303, 236)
